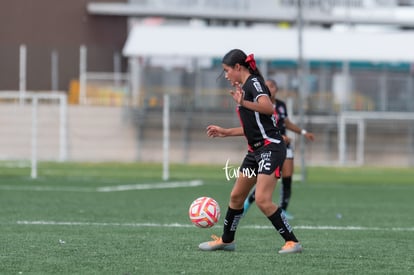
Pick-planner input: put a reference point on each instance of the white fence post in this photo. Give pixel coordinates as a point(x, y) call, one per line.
point(33, 173)
point(63, 128)
point(82, 74)
point(360, 146)
point(22, 72)
point(166, 136)
point(341, 139)
point(54, 70)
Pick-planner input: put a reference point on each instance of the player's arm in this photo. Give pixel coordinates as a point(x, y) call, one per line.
point(263, 104)
point(296, 129)
point(217, 131)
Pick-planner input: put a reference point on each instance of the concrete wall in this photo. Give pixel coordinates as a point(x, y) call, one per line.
point(97, 133)
point(93, 133)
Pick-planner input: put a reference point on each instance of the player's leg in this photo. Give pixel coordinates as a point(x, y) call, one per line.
point(270, 161)
point(264, 189)
point(241, 189)
point(234, 213)
point(248, 162)
point(249, 201)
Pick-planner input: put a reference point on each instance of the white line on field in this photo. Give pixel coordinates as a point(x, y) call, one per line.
point(115, 188)
point(45, 188)
point(162, 185)
point(304, 227)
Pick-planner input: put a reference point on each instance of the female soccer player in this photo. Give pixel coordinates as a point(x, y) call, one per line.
point(283, 123)
point(265, 156)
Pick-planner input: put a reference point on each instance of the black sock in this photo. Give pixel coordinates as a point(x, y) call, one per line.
point(231, 221)
point(286, 192)
point(282, 226)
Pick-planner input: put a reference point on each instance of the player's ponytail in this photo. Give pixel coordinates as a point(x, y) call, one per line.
point(251, 65)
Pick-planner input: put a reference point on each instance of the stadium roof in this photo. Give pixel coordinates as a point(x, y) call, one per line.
point(397, 16)
point(269, 43)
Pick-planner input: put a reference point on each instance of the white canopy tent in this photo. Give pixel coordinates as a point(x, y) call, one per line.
point(269, 43)
point(184, 42)
point(172, 43)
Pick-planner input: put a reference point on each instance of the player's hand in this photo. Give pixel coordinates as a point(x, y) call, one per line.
point(215, 131)
point(237, 94)
point(286, 139)
point(309, 136)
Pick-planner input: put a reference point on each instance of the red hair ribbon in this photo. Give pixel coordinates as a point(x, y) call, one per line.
point(250, 60)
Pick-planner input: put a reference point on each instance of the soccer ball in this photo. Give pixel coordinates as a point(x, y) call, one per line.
point(204, 212)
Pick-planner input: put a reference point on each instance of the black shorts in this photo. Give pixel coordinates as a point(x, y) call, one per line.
point(267, 160)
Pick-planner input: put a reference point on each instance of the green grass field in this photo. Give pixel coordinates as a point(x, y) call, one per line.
point(349, 220)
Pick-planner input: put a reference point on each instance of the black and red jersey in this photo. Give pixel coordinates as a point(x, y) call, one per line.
point(259, 129)
point(281, 111)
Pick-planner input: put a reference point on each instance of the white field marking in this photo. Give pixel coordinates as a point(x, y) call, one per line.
point(162, 185)
point(45, 188)
point(19, 164)
point(177, 225)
